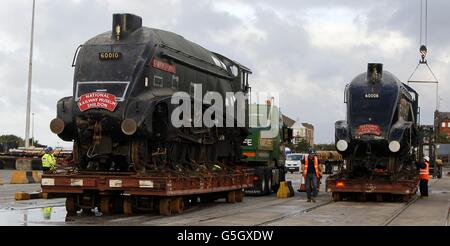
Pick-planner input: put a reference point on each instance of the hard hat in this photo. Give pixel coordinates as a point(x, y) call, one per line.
point(311, 151)
point(426, 158)
point(48, 149)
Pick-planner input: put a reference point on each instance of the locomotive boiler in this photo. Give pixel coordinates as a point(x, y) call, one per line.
point(119, 116)
point(380, 135)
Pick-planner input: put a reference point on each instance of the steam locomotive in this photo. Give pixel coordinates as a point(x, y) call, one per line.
point(380, 135)
point(119, 115)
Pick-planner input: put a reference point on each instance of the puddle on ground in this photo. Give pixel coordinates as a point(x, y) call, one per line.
point(33, 217)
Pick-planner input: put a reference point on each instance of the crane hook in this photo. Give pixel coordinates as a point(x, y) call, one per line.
point(423, 53)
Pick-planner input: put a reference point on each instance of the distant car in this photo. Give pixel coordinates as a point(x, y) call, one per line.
point(293, 162)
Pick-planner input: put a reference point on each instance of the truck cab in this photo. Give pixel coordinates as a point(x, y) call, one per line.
point(263, 149)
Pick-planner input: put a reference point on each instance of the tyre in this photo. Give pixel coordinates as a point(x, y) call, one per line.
point(231, 197)
point(165, 206)
point(106, 205)
point(239, 196)
point(268, 175)
point(177, 205)
point(128, 206)
point(263, 185)
point(71, 205)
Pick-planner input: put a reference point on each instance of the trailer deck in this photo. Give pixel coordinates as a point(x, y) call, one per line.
point(128, 192)
point(363, 188)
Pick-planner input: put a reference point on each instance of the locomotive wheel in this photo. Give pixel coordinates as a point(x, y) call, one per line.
point(231, 197)
point(337, 196)
point(139, 154)
point(177, 205)
point(165, 207)
point(128, 206)
point(106, 205)
point(76, 154)
point(239, 196)
point(71, 205)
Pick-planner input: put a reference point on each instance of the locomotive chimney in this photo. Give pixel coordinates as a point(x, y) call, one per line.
point(124, 24)
point(374, 72)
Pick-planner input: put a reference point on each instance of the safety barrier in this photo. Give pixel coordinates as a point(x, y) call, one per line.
point(27, 196)
point(28, 164)
point(25, 177)
point(19, 196)
point(20, 163)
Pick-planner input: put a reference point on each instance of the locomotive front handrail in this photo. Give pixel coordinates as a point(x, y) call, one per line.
point(76, 55)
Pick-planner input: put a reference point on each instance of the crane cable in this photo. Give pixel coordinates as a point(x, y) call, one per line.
point(423, 45)
point(423, 50)
point(422, 20)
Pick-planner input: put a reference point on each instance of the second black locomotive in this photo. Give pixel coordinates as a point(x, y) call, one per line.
point(380, 135)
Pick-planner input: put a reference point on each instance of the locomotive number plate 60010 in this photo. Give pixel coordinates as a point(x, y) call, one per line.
point(105, 56)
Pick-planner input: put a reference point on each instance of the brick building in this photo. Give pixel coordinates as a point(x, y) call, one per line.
point(442, 122)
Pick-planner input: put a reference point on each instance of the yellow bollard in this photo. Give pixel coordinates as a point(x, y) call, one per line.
point(282, 191)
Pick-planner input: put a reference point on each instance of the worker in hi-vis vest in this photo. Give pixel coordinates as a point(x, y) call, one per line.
point(424, 176)
point(48, 161)
point(311, 174)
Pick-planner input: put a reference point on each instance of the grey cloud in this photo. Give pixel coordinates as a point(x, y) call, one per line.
point(310, 78)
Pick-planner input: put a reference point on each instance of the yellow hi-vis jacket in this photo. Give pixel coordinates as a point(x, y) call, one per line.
point(48, 160)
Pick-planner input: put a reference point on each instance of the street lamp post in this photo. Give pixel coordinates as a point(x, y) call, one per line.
point(32, 131)
point(30, 72)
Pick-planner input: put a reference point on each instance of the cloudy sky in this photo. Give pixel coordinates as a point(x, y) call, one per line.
point(307, 51)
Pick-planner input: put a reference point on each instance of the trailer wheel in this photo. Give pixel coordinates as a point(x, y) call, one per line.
point(337, 196)
point(231, 197)
point(127, 206)
point(177, 205)
point(117, 205)
point(239, 196)
point(165, 207)
point(362, 197)
point(106, 206)
point(379, 197)
point(406, 198)
point(71, 205)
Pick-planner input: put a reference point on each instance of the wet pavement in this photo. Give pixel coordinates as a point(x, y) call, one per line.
point(265, 210)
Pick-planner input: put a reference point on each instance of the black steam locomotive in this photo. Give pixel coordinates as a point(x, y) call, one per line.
point(380, 134)
point(119, 116)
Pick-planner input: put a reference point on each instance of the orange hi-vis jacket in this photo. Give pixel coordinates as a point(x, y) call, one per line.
point(316, 166)
point(425, 172)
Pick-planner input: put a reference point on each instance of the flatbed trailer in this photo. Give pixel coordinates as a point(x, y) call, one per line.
point(365, 188)
point(161, 191)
